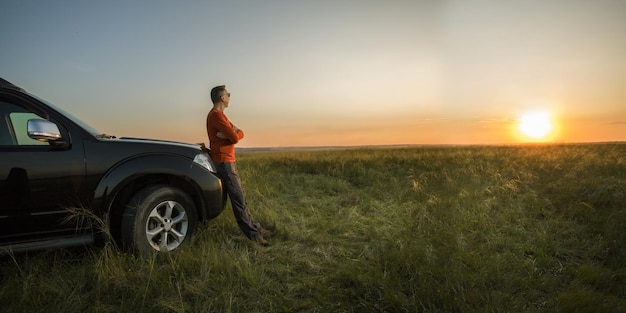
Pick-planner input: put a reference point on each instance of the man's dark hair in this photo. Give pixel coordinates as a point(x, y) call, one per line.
point(216, 92)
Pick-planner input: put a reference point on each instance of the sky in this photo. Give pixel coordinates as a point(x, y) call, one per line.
point(328, 73)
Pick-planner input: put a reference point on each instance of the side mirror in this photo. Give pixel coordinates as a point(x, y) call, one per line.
point(43, 130)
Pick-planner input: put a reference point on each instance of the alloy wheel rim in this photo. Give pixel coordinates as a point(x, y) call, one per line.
point(167, 226)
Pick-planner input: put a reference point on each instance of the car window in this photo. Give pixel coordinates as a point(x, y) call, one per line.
point(13, 125)
point(19, 121)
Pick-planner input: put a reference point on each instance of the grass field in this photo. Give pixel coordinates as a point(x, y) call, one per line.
point(419, 229)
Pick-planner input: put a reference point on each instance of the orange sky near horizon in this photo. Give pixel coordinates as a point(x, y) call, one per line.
point(429, 132)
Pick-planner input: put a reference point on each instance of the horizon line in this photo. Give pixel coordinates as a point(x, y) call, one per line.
point(333, 147)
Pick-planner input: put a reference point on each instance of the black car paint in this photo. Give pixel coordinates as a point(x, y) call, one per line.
point(39, 183)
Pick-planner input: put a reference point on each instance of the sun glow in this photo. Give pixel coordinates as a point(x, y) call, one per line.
point(535, 125)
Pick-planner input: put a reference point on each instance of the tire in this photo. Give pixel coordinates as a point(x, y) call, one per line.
point(158, 219)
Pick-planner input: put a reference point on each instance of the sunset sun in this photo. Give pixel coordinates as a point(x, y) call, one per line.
point(535, 125)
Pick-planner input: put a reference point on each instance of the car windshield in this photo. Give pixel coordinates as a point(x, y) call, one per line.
point(74, 119)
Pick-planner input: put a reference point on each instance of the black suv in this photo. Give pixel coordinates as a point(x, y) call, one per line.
point(62, 183)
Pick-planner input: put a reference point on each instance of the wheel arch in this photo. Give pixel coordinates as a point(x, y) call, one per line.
point(124, 180)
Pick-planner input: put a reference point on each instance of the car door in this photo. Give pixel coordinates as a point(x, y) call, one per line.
point(38, 181)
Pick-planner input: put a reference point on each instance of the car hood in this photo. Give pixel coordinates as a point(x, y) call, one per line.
point(155, 145)
point(158, 142)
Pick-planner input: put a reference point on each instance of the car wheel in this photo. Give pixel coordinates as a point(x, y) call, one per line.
point(158, 218)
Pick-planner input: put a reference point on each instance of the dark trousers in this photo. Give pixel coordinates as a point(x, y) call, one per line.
point(227, 171)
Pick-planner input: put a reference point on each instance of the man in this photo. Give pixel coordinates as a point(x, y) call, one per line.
point(223, 136)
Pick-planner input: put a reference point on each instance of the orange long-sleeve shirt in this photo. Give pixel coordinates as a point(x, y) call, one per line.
point(222, 150)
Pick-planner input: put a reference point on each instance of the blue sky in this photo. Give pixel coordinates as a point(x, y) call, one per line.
point(326, 72)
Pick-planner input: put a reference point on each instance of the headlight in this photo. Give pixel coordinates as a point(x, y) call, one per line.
point(203, 160)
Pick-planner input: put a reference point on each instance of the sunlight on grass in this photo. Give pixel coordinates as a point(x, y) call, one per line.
point(424, 229)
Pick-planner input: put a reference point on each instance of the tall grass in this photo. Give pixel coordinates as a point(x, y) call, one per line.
point(423, 229)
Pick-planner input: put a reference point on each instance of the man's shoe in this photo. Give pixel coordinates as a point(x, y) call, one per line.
point(265, 232)
point(260, 240)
